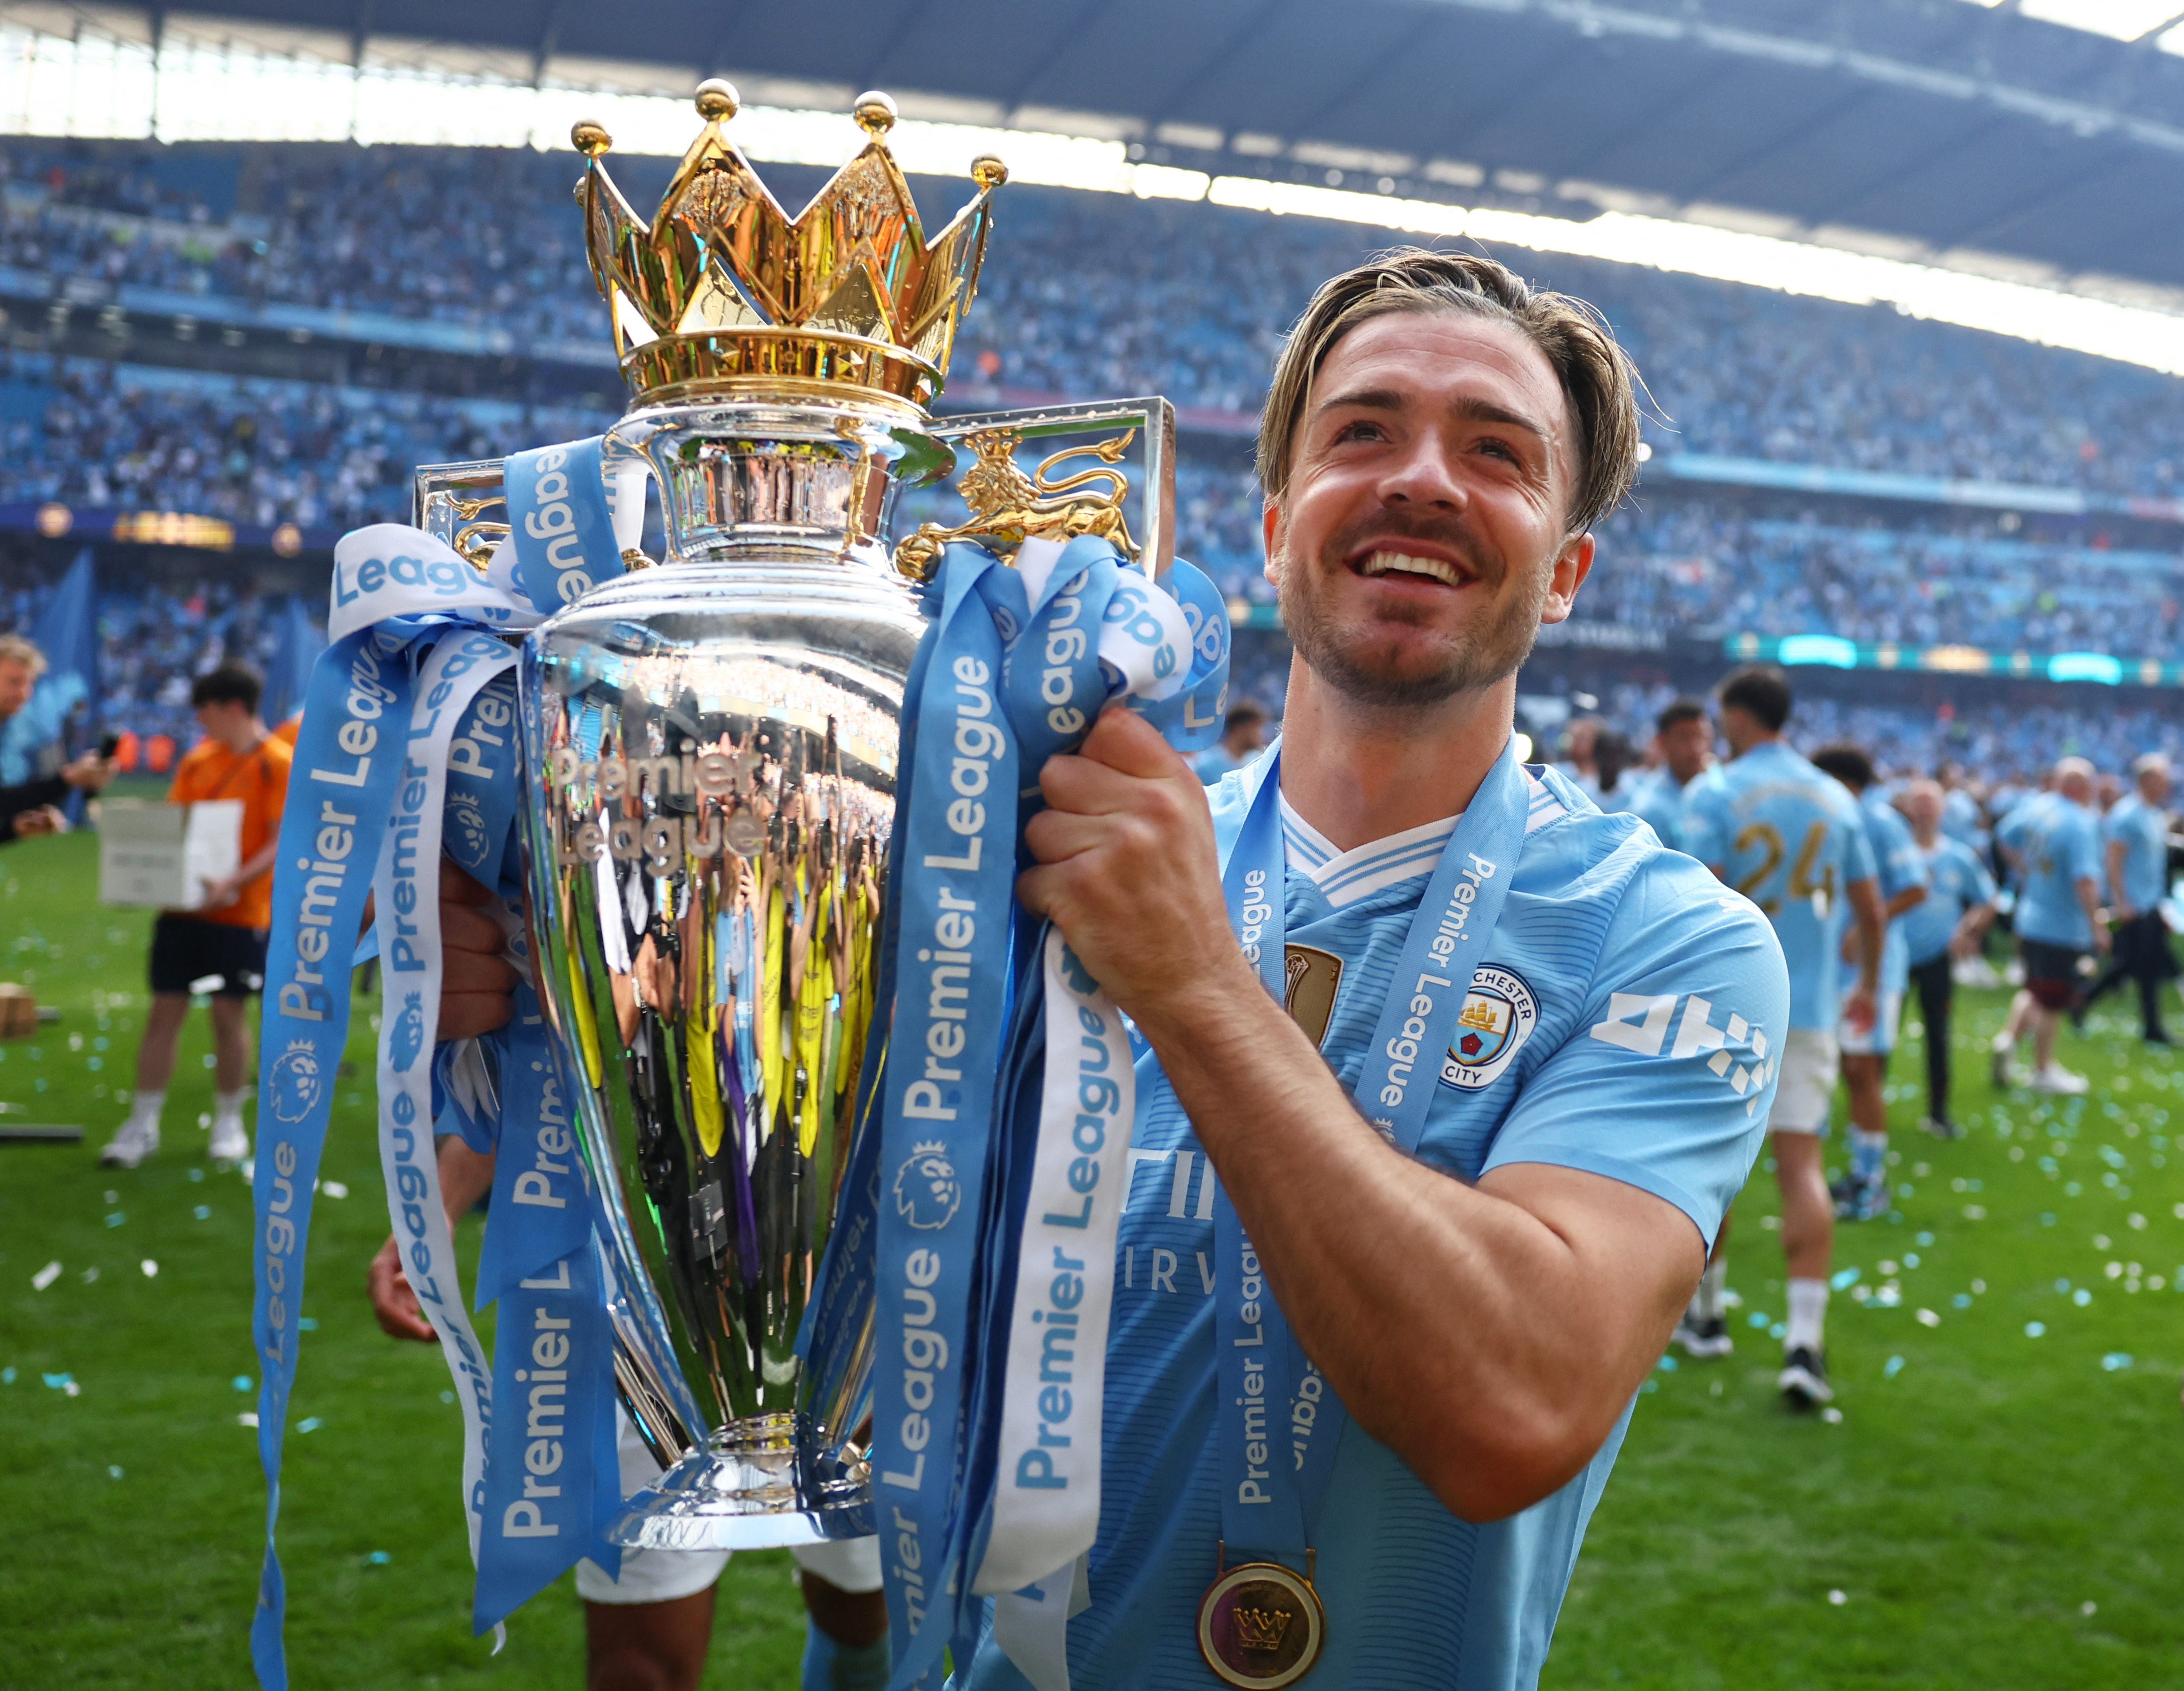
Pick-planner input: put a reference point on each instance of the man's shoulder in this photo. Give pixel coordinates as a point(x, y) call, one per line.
point(278, 752)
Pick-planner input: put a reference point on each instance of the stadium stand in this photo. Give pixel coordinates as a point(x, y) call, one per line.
point(273, 334)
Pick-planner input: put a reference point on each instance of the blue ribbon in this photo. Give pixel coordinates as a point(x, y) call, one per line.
point(1280, 1424)
point(949, 1114)
point(396, 595)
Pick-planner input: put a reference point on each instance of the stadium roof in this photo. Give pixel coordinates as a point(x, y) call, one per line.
point(2010, 143)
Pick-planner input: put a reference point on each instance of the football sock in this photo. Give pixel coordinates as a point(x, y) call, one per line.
point(144, 1110)
point(830, 1664)
point(1808, 1313)
point(228, 1105)
point(1868, 1154)
point(1706, 1302)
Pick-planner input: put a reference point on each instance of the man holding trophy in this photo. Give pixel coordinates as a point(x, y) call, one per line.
point(1038, 1188)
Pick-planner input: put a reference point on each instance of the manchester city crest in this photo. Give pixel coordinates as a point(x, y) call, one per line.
point(297, 1082)
point(1498, 1015)
point(927, 1192)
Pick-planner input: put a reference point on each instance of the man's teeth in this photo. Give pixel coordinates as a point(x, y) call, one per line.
point(1383, 563)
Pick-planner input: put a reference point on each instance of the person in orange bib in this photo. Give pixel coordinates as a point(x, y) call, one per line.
point(219, 946)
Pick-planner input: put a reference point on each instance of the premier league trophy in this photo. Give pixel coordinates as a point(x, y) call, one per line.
point(712, 750)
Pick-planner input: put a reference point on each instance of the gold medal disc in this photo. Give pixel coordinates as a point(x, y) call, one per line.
point(1262, 1626)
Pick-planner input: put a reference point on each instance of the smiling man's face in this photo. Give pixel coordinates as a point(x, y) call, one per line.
point(1420, 542)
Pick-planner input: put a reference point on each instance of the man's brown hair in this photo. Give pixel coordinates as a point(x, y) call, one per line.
point(1598, 382)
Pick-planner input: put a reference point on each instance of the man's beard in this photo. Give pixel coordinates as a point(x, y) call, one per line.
point(1471, 658)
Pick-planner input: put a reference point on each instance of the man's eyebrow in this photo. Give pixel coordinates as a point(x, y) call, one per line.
point(1467, 410)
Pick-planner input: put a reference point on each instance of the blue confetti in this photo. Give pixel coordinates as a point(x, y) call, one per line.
point(377, 1559)
point(2047, 1218)
point(113, 1472)
point(203, 1213)
point(1925, 1239)
point(2063, 1286)
point(2082, 1297)
point(310, 1423)
point(197, 1174)
point(1667, 1364)
point(116, 1219)
point(7, 1377)
point(242, 1382)
point(308, 1323)
point(1776, 1330)
point(2034, 1329)
point(1843, 1279)
point(2115, 1360)
point(1962, 1301)
point(1650, 1386)
point(1910, 1258)
point(1755, 1319)
point(1892, 1368)
point(59, 1382)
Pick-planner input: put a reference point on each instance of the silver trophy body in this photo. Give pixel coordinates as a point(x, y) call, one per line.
point(711, 748)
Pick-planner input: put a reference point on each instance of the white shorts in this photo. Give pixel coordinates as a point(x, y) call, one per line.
point(1805, 1094)
point(663, 1576)
point(1878, 1040)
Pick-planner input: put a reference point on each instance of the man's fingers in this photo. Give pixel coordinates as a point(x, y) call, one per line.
point(457, 887)
point(393, 1303)
point(1052, 836)
point(466, 1015)
point(1123, 740)
point(463, 927)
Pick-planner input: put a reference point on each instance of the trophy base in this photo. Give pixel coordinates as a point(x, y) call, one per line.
point(753, 1485)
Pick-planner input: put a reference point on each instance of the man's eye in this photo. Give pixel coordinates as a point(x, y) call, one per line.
point(1359, 430)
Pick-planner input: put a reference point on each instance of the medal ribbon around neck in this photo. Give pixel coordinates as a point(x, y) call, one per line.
point(1279, 1424)
point(406, 740)
point(971, 1156)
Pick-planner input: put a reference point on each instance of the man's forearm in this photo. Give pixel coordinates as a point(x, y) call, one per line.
point(1459, 1328)
point(466, 1176)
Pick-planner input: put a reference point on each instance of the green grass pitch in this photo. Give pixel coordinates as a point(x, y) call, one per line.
point(1994, 1507)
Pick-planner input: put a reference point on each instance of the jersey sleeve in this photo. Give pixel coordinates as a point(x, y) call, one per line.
point(1902, 864)
point(2084, 849)
point(1982, 886)
point(1665, 1080)
point(1859, 864)
point(1704, 826)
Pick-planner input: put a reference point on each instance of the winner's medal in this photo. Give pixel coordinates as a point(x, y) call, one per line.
point(1259, 1625)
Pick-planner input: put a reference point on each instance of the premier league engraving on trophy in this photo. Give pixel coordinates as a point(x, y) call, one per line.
point(713, 745)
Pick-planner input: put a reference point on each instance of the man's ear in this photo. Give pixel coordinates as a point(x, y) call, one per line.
point(1571, 565)
point(1271, 528)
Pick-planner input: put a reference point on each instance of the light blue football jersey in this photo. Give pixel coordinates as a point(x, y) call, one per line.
point(1956, 880)
point(1658, 802)
point(2058, 844)
point(1901, 866)
point(1627, 1019)
point(2144, 832)
point(1791, 838)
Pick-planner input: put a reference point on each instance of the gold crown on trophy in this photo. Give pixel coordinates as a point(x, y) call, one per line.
point(724, 293)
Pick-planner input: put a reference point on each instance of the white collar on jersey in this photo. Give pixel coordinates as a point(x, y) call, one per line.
point(1344, 877)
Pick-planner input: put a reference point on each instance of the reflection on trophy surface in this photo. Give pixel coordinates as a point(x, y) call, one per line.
point(712, 745)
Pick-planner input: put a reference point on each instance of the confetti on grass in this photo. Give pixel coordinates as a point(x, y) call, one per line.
point(45, 1276)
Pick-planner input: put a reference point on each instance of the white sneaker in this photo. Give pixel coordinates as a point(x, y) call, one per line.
point(230, 1142)
point(135, 1141)
point(2055, 1078)
point(1999, 1052)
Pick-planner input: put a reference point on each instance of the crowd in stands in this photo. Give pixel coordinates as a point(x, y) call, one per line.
point(154, 638)
point(1088, 295)
point(1095, 294)
point(260, 451)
